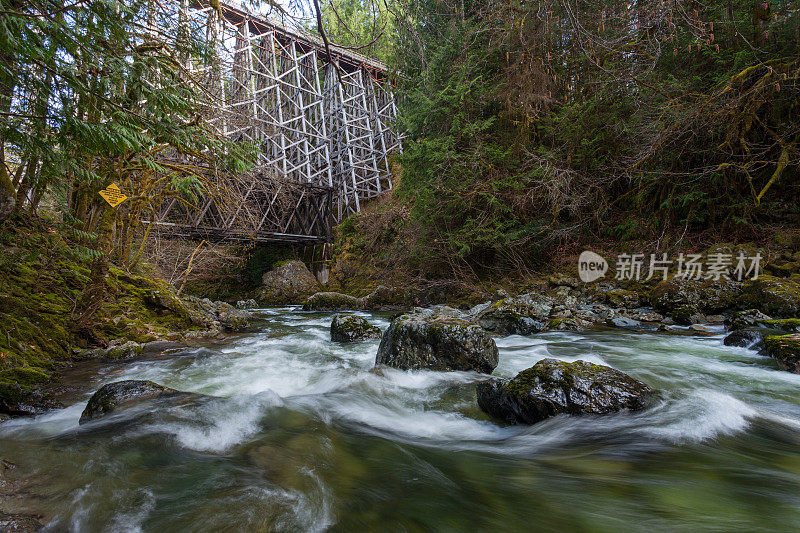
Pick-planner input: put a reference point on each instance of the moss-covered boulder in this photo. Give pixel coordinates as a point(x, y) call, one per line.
point(521, 315)
point(752, 337)
point(351, 328)
point(785, 349)
point(681, 298)
point(426, 340)
point(779, 297)
point(790, 325)
point(623, 298)
point(331, 301)
point(288, 283)
point(123, 350)
point(385, 298)
point(119, 395)
point(551, 387)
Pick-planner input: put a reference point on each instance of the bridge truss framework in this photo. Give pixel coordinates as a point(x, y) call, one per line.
point(323, 124)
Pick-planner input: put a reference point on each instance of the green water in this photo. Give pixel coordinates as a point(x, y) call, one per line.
point(304, 436)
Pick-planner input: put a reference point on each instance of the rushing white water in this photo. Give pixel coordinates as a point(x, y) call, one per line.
point(302, 434)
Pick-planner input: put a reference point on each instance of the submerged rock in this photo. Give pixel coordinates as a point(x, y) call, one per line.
point(424, 339)
point(119, 395)
point(785, 349)
point(331, 301)
point(290, 282)
point(752, 337)
point(552, 387)
point(350, 328)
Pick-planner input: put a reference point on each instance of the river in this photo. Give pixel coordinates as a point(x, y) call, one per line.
point(303, 435)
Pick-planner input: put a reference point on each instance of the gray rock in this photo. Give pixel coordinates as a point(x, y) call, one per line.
point(217, 315)
point(288, 283)
point(246, 304)
point(351, 328)
point(521, 315)
point(160, 346)
point(113, 397)
point(745, 319)
point(436, 342)
point(632, 325)
point(230, 318)
point(552, 387)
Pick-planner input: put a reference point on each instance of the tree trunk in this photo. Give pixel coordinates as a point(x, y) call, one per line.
point(7, 193)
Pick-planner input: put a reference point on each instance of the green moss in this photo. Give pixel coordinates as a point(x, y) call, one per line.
point(622, 297)
point(551, 375)
point(785, 349)
point(42, 276)
point(330, 301)
point(25, 376)
point(786, 324)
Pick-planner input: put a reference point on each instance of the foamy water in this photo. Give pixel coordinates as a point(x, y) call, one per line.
point(299, 433)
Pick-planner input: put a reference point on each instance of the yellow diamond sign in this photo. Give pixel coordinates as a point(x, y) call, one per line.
point(113, 195)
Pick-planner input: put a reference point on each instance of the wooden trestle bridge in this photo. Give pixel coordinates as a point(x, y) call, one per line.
point(323, 123)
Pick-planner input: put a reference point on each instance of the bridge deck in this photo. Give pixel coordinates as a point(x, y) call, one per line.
point(258, 25)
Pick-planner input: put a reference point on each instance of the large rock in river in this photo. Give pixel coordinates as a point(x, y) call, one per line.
point(551, 387)
point(119, 395)
point(351, 328)
point(436, 341)
point(289, 283)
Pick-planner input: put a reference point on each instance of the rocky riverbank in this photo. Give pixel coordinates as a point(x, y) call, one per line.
point(47, 324)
